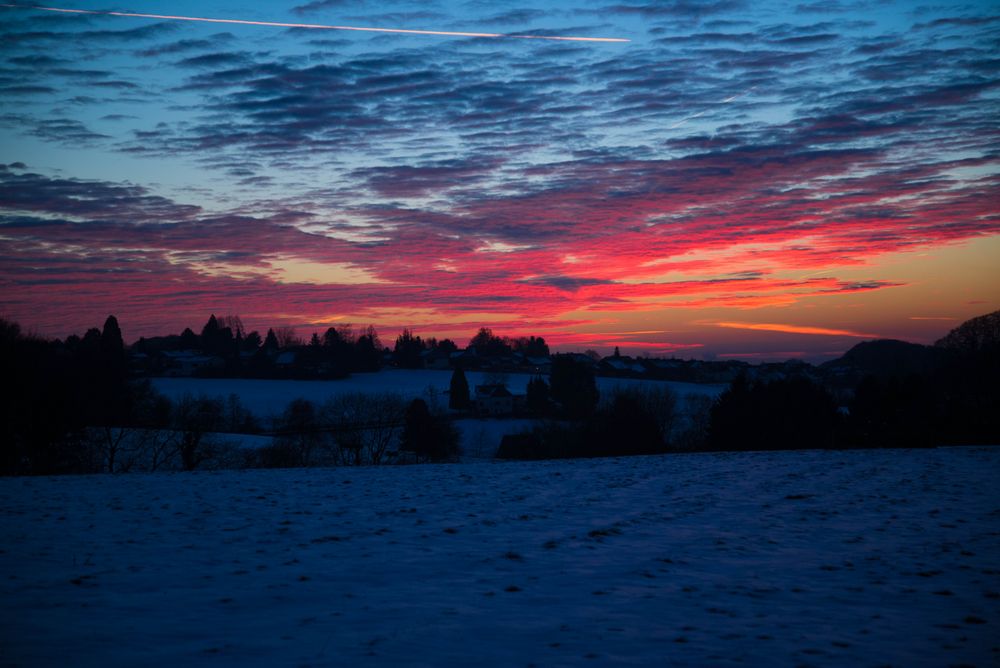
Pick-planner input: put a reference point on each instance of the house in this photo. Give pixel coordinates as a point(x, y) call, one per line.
point(286, 359)
point(436, 359)
point(496, 400)
point(622, 366)
point(539, 365)
point(190, 363)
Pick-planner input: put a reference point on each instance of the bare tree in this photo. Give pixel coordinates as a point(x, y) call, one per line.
point(115, 448)
point(287, 337)
point(656, 400)
point(193, 418)
point(301, 432)
point(364, 426)
point(234, 323)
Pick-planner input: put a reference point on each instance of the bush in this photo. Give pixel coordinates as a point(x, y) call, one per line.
point(429, 437)
point(787, 414)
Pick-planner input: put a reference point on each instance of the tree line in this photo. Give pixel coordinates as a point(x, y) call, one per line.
point(948, 394)
point(73, 407)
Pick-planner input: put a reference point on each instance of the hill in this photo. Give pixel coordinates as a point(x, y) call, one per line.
point(973, 335)
point(886, 357)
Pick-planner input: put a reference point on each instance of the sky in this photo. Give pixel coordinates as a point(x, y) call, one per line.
point(739, 180)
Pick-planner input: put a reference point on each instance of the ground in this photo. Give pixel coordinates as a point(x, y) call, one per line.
point(810, 557)
point(269, 397)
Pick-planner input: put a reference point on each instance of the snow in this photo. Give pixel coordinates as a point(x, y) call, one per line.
point(810, 557)
point(269, 397)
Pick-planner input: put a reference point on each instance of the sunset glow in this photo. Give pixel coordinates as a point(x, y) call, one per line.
point(734, 180)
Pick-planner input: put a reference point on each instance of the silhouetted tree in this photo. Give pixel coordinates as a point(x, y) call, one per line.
point(488, 344)
point(287, 337)
point(367, 352)
point(458, 391)
point(626, 427)
point(572, 384)
point(300, 435)
point(112, 344)
point(446, 346)
point(271, 344)
point(189, 340)
point(364, 426)
point(428, 436)
point(537, 398)
point(531, 346)
point(895, 412)
point(792, 413)
point(235, 325)
point(193, 419)
point(209, 331)
point(408, 350)
point(251, 342)
point(218, 340)
point(41, 417)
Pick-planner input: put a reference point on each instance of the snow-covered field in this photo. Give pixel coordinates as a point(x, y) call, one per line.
point(269, 397)
point(479, 438)
point(815, 558)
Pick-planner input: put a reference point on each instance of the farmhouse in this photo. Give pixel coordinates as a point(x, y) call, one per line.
point(496, 400)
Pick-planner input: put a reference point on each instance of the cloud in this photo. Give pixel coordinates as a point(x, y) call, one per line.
point(707, 165)
point(674, 8)
point(186, 45)
point(794, 329)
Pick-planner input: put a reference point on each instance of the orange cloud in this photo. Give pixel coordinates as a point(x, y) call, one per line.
point(793, 329)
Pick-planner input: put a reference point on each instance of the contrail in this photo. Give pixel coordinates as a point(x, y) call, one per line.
point(314, 26)
point(705, 111)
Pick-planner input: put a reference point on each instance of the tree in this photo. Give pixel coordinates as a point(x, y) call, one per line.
point(458, 392)
point(783, 414)
point(429, 437)
point(659, 403)
point(189, 340)
point(531, 346)
point(112, 345)
point(367, 352)
point(287, 337)
point(364, 426)
point(300, 435)
point(446, 346)
point(271, 342)
point(251, 342)
point(487, 344)
point(626, 427)
point(209, 332)
point(537, 398)
point(407, 351)
point(573, 386)
point(235, 325)
point(193, 418)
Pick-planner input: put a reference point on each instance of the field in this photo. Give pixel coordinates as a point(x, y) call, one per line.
point(269, 397)
point(479, 438)
point(808, 557)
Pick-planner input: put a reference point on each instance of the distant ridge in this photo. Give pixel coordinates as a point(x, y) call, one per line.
point(883, 357)
point(889, 357)
point(972, 335)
